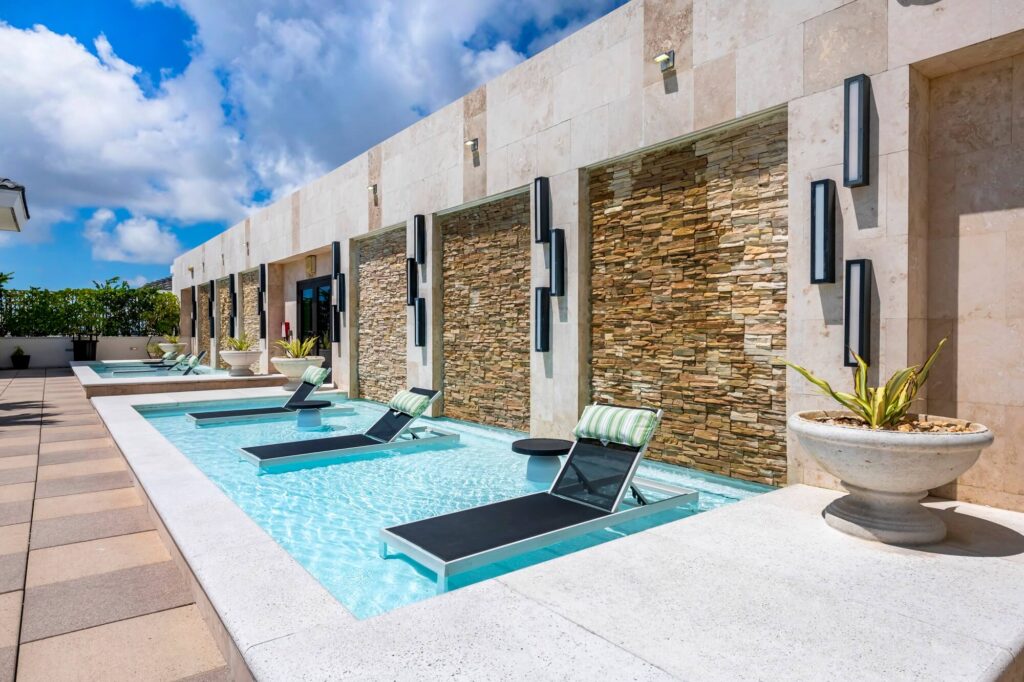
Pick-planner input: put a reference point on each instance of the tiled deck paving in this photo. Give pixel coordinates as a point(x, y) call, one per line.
point(87, 588)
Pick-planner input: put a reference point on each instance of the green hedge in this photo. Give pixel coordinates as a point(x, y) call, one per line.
point(112, 308)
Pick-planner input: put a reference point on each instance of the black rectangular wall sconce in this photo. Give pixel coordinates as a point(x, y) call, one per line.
point(233, 294)
point(340, 291)
point(857, 313)
point(337, 292)
point(192, 314)
point(260, 304)
point(420, 331)
point(542, 319)
point(211, 301)
point(823, 231)
point(412, 284)
point(558, 262)
point(419, 232)
point(541, 210)
point(856, 130)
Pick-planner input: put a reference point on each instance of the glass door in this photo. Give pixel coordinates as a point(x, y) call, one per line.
point(314, 299)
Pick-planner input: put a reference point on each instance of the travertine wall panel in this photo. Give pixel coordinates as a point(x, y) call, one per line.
point(381, 315)
point(486, 290)
point(689, 293)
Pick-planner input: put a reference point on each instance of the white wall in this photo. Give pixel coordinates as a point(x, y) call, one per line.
point(56, 351)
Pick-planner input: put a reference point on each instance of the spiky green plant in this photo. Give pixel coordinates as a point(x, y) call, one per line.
point(296, 348)
point(883, 407)
point(172, 338)
point(242, 342)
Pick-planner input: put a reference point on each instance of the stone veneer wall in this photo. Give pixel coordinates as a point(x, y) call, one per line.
point(382, 315)
point(203, 321)
point(223, 317)
point(486, 332)
point(689, 296)
point(248, 284)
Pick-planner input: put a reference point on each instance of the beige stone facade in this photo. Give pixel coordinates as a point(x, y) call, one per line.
point(486, 289)
point(381, 315)
point(689, 296)
point(597, 98)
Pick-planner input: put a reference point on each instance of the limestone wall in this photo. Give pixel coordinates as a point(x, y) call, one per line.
point(486, 290)
point(381, 315)
point(689, 293)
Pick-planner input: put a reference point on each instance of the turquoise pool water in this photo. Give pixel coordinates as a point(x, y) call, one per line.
point(328, 517)
point(126, 370)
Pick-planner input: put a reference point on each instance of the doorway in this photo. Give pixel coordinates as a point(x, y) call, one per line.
point(314, 299)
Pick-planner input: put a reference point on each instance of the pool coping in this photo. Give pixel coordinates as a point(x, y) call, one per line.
point(97, 386)
point(686, 596)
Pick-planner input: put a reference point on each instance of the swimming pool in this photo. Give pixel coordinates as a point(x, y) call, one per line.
point(328, 518)
point(129, 369)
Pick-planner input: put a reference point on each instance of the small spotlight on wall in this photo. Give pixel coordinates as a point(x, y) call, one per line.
point(419, 229)
point(823, 231)
point(541, 210)
point(412, 285)
point(472, 144)
point(666, 60)
point(420, 335)
point(372, 189)
point(856, 130)
point(857, 328)
point(558, 262)
point(542, 319)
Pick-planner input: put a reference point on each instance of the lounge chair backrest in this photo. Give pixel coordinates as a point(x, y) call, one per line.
point(312, 379)
point(199, 358)
point(393, 422)
point(598, 471)
point(168, 355)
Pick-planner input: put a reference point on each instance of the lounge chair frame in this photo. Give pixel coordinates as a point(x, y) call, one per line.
point(408, 436)
point(336, 411)
point(444, 570)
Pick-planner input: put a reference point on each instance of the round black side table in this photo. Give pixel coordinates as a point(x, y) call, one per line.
point(543, 465)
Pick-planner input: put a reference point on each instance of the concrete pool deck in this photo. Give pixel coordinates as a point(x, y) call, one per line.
point(96, 385)
point(761, 589)
point(87, 588)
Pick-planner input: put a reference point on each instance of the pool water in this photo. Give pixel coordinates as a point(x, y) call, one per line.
point(112, 370)
point(328, 517)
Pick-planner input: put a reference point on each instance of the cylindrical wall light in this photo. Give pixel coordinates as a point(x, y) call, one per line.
point(420, 331)
point(233, 294)
point(857, 327)
point(558, 262)
point(542, 319)
point(419, 230)
point(856, 130)
point(412, 285)
point(541, 210)
point(823, 231)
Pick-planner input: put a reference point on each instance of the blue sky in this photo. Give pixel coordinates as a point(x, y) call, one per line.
point(141, 128)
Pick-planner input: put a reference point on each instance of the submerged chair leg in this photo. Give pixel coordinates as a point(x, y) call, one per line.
point(382, 550)
point(442, 580)
point(308, 419)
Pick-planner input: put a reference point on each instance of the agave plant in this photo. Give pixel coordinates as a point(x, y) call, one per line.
point(242, 343)
point(297, 348)
point(883, 407)
point(172, 338)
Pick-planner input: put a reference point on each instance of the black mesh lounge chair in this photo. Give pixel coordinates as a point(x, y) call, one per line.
point(394, 430)
point(186, 366)
point(299, 403)
point(585, 496)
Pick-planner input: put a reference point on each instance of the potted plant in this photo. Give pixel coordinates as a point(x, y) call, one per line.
point(296, 360)
point(172, 344)
point(240, 353)
point(19, 360)
point(887, 458)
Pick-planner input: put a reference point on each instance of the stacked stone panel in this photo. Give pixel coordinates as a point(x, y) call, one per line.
point(382, 315)
point(203, 332)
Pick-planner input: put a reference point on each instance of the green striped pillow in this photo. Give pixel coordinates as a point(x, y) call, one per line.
point(623, 425)
point(168, 355)
point(193, 360)
point(413, 404)
point(315, 375)
point(180, 359)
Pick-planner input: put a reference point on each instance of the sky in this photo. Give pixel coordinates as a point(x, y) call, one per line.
point(141, 128)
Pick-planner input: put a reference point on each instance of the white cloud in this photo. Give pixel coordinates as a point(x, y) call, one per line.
point(137, 281)
point(135, 240)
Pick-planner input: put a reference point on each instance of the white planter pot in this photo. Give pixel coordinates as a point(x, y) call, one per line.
point(175, 348)
point(240, 361)
point(293, 368)
point(888, 473)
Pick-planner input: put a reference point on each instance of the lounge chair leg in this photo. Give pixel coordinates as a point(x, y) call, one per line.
point(442, 581)
point(382, 550)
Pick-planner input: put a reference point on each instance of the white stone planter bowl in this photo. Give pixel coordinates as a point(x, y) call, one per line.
point(240, 361)
point(888, 473)
point(175, 348)
point(293, 368)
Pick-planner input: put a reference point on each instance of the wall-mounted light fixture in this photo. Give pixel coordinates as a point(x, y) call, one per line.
point(233, 295)
point(337, 292)
point(472, 144)
point(13, 209)
point(419, 233)
point(261, 306)
point(666, 60)
point(823, 231)
point(191, 271)
point(210, 301)
point(558, 262)
point(193, 313)
point(541, 210)
point(412, 284)
point(542, 319)
point(420, 331)
point(372, 189)
point(857, 327)
point(856, 130)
